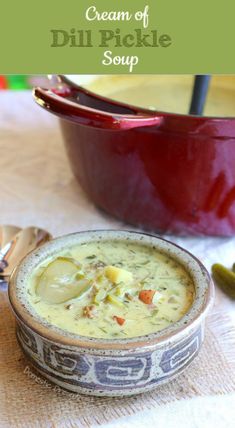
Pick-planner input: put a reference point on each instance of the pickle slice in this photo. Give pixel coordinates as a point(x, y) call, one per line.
point(57, 283)
point(114, 300)
point(225, 279)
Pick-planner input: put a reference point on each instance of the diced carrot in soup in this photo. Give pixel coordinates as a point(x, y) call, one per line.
point(146, 296)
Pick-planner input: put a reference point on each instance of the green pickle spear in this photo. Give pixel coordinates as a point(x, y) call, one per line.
point(225, 278)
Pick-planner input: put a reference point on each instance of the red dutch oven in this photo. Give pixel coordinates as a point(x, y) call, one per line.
point(168, 173)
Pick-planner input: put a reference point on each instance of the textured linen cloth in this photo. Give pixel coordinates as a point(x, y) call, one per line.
point(37, 188)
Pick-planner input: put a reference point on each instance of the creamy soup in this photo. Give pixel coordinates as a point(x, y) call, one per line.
point(111, 289)
point(167, 93)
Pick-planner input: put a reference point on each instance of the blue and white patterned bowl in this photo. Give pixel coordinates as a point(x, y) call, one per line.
point(110, 367)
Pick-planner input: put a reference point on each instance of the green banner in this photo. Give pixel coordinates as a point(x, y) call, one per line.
point(111, 37)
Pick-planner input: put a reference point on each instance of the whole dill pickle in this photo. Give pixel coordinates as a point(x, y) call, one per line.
point(225, 278)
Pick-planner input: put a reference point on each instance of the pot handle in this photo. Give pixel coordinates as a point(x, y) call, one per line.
point(64, 103)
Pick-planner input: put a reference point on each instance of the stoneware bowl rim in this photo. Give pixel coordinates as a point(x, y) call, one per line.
point(26, 314)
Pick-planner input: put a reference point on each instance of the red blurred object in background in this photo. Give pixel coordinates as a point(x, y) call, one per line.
point(3, 82)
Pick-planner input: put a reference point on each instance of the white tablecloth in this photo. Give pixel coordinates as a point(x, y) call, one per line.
point(37, 188)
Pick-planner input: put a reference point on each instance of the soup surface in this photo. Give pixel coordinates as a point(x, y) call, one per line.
point(111, 289)
point(170, 93)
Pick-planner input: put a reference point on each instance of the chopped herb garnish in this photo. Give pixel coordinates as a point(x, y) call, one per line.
point(103, 329)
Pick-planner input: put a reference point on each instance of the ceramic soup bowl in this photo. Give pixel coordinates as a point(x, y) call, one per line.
point(110, 367)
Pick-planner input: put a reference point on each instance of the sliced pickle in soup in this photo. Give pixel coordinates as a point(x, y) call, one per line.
point(58, 282)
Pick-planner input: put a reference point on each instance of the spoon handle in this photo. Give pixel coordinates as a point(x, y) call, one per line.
point(200, 89)
point(23, 242)
point(3, 284)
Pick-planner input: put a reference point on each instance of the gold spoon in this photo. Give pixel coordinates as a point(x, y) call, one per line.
point(7, 232)
point(15, 243)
